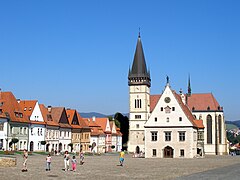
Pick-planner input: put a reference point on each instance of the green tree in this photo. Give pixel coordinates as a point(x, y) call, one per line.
point(124, 128)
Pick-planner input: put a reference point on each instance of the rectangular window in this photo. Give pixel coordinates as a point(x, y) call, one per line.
point(31, 131)
point(200, 136)
point(167, 136)
point(181, 136)
point(173, 108)
point(180, 118)
point(182, 152)
point(154, 152)
point(155, 119)
point(137, 125)
point(1, 126)
point(154, 136)
point(161, 108)
point(137, 116)
point(138, 103)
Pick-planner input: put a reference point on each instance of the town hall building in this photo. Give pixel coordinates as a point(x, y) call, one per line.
point(171, 125)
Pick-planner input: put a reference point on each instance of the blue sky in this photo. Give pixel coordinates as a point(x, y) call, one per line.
point(77, 53)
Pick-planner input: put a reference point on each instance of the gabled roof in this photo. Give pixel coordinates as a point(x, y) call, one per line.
point(103, 123)
point(153, 101)
point(197, 102)
point(59, 115)
point(113, 127)
point(73, 118)
point(47, 116)
point(11, 109)
point(185, 109)
point(83, 122)
point(27, 106)
point(203, 102)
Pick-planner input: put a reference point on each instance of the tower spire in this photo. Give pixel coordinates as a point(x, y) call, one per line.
point(139, 74)
point(189, 86)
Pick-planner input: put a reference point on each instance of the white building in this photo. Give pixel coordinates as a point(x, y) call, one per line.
point(37, 125)
point(141, 105)
point(172, 131)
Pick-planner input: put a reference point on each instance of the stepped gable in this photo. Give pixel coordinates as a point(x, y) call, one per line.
point(203, 102)
point(47, 116)
point(11, 109)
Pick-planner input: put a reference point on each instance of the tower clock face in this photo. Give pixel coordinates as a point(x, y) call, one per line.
point(167, 99)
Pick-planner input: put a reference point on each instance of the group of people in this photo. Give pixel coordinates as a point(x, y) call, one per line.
point(67, 160)
point(73, 160)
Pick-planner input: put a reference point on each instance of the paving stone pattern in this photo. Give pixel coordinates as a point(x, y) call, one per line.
point(106, 167)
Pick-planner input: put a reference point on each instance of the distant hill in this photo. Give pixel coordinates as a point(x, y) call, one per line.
point(99, 115)
point(91, 114)
point(233, 124)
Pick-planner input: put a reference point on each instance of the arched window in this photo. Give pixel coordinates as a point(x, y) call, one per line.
point(220, 128)
point(209, 129)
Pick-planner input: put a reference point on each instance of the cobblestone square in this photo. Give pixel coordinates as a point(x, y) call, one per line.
point(107, 167)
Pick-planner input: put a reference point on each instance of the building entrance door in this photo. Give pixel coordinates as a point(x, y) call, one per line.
point(168, 152)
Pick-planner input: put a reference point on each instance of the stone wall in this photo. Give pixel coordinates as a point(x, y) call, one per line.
point(8, 161)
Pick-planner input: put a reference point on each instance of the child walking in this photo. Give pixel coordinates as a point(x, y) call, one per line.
point(74, 163)
point(48, 162)
point(25, 158)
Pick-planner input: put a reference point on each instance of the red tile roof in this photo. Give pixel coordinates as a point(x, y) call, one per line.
point(47, 116)
point(11, 108)
point(70, 115)
point(153, 101)
point(201, 102)
point(27, 106)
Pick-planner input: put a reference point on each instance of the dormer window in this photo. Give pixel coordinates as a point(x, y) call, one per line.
point(193, 108)
point(21, 115)
point(208, 108)
point(30, 108)
point(25, 108)
point(16, 114)
point(1, 103)
point(49, 117)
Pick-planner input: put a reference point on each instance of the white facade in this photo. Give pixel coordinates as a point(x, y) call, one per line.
point(52, 138)
point(65, 139)
point(101, 143)
point(217, 144)
point(37, 130)
point(3, 133)
point(139, 104)
point(169, 132)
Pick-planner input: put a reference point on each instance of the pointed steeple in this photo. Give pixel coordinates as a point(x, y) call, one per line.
point(189, 87)
point(139, 73)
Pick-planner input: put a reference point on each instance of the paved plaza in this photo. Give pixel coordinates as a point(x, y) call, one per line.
point(106, 167)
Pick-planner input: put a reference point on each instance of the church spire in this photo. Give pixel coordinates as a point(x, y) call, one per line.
point(139, 73)
point(189, 86)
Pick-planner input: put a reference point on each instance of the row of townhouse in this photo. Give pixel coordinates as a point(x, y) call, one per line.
point(40, 128)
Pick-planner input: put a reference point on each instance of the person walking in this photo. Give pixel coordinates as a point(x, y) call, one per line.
point(121, 157)
point(25, 158)
point(81, 157)
point(48, 162)
point(74, 163)
point(66, 160)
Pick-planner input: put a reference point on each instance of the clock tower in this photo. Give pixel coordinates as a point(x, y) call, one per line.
point(139, 83)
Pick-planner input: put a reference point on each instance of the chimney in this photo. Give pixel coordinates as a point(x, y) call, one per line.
point(49, 109)
point(93, 118)
point(18, 100)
